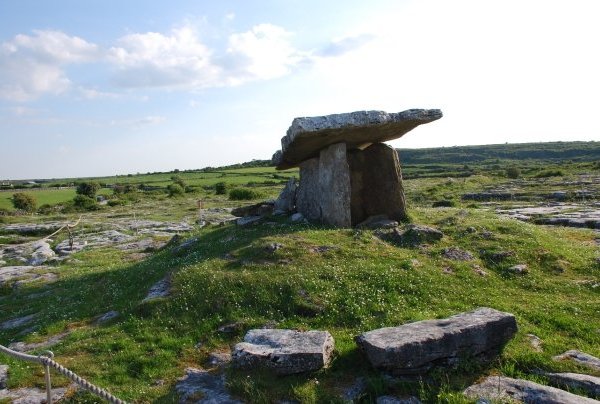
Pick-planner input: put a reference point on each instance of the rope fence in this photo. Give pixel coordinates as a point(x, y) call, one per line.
point(47, 361)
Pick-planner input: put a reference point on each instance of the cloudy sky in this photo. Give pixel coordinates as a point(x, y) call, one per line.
point(104, 87)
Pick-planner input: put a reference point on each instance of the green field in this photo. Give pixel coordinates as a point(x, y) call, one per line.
point(346, 281)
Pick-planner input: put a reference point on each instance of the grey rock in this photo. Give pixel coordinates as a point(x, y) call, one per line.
point(219, 359)
point(575, 381)
point(41, 253)
point(535, 342)
point(28, 347)
point(454, 253)
point(8, 274)
point(297, 217)
point(160, 289)
point(201, 387)
point(44, 278)
point(580, 358)
point(284, 351)
point(416, 347)
point(258, 209)
point(276, 158)
point(519, 269)
point(286, 202)
point(100, 239)
point(397, 400)
point(249, 220)
point(308, 194)
point(32, 228)
point(272, 247)
point(31, 395)
point(413, 235)
point(3, 376)
point(378, 222)
point(354, 392)
point(146, 244)
point(106, 317)
point(231, 328)
point(376, 183)
point(334, 185)
point(17, 322)
point(307, 136)
point(505, 389)
point(322, 249)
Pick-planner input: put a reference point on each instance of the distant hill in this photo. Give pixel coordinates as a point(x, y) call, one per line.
point(552, 151)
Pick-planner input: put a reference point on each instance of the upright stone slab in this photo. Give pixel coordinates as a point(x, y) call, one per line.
point(308, 199)
point(376, 181)
point(334, 185)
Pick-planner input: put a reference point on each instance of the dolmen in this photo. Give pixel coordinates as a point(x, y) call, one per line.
point(346, 173)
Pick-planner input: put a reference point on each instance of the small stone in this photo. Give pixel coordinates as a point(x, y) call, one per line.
point(284, 351)
point(519, 269)
point(106, 317)
point(248, 220)
point(415, 347)
point(418, 234)
point(272, 247)
point(160, 289)
point(297, 217)
point(581, 358)
point(479, 271)
point(354, 392)
point(264, 208)
point(219, 358)
point(378, 222)
point(505, 389)
point(455, 253)
point(28, 347)
point(447, 271)
point(321, 249)
point(535, 342)
point(17, 322)
point(231, 328)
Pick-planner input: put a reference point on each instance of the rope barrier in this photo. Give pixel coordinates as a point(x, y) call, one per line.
point(49, 362)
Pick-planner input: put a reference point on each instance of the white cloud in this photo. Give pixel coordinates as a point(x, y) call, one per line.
point(138, 123)
point(31, 66)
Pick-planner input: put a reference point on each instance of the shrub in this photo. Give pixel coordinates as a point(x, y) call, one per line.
point(85, 202)
point(549, 173)
point(220, 188)
point(178, 180)
point(117, 202)
point(175, 190)
point(513, 172)
point(23, 201)
point(243, 194)
point(88, 189)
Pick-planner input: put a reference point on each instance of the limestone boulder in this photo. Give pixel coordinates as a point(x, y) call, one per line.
point(581, 358)
point(307, 136)
point(286, 202)
point(284, 351)
point(575, 381)
point(505, 389)
point(258, 209)
point(416, 347)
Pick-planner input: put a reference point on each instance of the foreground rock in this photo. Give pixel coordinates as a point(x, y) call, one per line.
point(284, 351)
point(15, 273)
point(3, 376)
point(307, 136)
point(28, 347)
point(200, 386)
point(17, 322)
point(416, 347)
point(258, 209)
point(581, 358)
point(31, 396)
point(413, 235)
point(575, 381)
point(505, 389)
point(160, 289)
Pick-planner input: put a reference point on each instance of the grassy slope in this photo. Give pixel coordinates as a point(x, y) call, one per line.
point(363, 283)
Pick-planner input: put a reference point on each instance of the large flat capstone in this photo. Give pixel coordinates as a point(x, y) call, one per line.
point(284, 351)
point(307, 136)
point(416, 347)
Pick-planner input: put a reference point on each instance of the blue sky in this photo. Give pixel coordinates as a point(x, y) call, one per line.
point(104, 87)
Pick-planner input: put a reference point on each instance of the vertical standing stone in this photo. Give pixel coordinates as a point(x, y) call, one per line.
point(308, 200)
point(376, 183)
point(334, 184)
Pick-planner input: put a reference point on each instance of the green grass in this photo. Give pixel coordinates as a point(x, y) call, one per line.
point(361, 284)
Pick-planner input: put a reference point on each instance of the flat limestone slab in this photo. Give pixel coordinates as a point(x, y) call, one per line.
point(284, 351)
point(415, 347)
point(505, 389)
point(307, 136)
point(589, 384)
